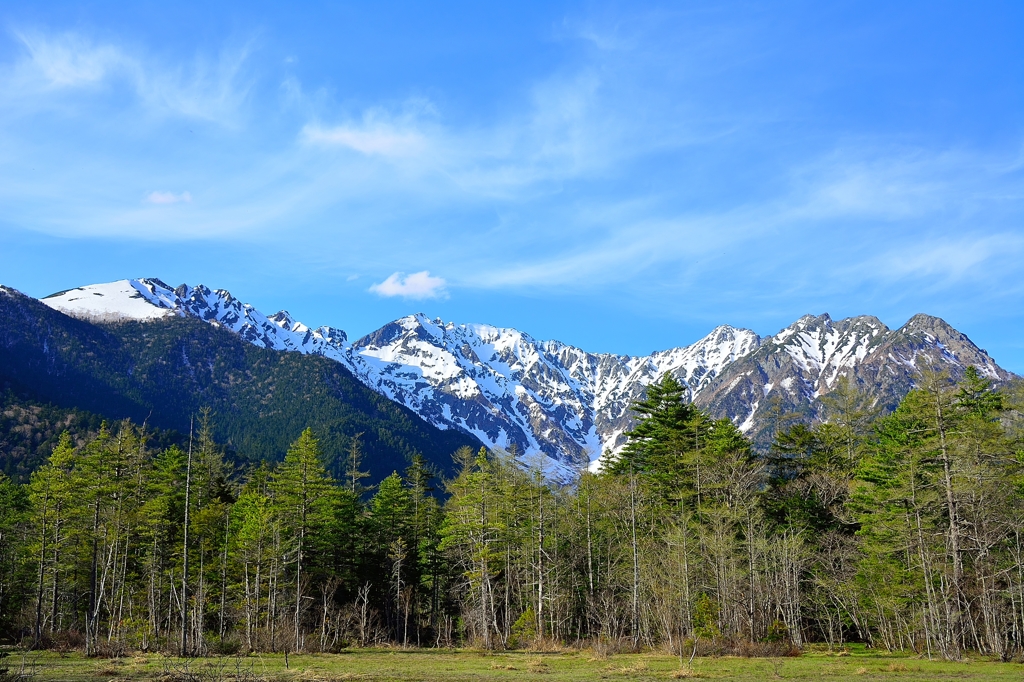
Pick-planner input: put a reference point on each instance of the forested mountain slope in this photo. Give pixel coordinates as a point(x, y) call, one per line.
point(163, 371)
point(548, 398)
point(30, 429)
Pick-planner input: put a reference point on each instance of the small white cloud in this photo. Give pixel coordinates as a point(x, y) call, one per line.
point(169, 198)
point(418, 285)
point(351, 278)
point(381, 140)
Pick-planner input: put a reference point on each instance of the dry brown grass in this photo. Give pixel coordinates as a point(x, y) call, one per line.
point(544, 645)
point(111, 667)
point(537, 666)
point(641, 667)
point(314, 675)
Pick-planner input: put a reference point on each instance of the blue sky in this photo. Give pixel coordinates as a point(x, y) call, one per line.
point(622, 177)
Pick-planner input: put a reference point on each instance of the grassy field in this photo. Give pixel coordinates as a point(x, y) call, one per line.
point(455, 666)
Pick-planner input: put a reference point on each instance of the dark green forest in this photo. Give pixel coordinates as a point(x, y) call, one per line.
point(59, 372)
point(898, 530)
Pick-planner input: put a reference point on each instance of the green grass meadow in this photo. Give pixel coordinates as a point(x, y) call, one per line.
point(466, 665)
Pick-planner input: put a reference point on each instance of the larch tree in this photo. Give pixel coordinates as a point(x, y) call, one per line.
point(303, 498)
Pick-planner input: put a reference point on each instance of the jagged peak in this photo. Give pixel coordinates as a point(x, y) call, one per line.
point(155, 282)
point(868, 319)
point(725, 332)
point(825, 322)
point(485, 332)
point(925, 322)
point(332, 335)
point(283, 319)
point(801, 324)
point(384, 335)
point(823, 319)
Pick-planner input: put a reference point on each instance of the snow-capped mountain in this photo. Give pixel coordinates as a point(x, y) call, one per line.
point(791, 370)
point(506, 387)
point(549, 399)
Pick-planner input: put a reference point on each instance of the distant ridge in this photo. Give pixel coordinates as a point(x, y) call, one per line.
point(547, 398)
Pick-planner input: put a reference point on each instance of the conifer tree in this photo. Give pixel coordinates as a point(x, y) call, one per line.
point(667, 447)
point(303, 498)
point(50, 491)
point(469, 531)
point(390, 509)
point(663, 429)
point(15, 509)
point(253, 532)
point(354, 473)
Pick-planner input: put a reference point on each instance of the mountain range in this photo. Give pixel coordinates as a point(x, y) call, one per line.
point(58, 372)
point(556, 404)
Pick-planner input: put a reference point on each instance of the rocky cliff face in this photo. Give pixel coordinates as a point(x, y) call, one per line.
point(791, 371)
point(557, 403)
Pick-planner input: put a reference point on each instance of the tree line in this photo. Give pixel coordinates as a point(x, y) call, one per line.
point(900, 530)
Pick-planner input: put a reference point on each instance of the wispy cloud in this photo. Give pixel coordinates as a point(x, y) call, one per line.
point(836, 220)
point(69, 60)
point(210, 88)
point(897, 182)
point(169, 198)
point(381, 140)
point(567, 127)
point(593, 176)
point(405, 131)
point(563, 130)
point(418, 285)
point(950, 259)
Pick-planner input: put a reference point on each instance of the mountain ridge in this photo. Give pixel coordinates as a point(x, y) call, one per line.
point(164, 369)
point(508, 389)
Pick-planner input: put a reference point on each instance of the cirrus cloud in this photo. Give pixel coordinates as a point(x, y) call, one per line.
point(69, 60)
point(208, 88)
point(418, 285)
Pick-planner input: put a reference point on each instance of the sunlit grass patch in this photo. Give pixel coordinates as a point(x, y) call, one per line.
point(638, 668)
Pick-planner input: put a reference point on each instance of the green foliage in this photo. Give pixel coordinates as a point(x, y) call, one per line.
point(524, 630)
point(705, 618)
point(666, 429)
point(14, 514)
point(901, 533)
point(675, 447)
